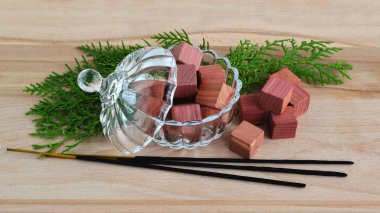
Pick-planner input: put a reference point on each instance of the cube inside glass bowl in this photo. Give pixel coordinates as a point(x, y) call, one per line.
point(209, 128)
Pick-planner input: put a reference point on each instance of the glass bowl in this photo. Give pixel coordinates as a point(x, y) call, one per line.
point(211, 127)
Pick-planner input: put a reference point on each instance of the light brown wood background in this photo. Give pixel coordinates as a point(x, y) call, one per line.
point(37, 37)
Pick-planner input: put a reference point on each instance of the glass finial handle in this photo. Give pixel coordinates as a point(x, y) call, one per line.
point(90, 80)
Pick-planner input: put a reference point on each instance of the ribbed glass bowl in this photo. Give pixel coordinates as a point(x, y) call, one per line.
point(211, 127)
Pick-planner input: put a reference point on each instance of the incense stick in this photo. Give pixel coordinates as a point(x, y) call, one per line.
point(241, 160)
point(247, 168)
point(140, 164)
point(225, 160)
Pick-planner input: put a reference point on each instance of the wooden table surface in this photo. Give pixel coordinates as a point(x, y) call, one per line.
point(343, 122)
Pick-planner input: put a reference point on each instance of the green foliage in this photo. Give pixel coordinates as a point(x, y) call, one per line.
point(167, 39)
point(66, 112)
point(67, 116)
point(205, 44)
point(256, 62)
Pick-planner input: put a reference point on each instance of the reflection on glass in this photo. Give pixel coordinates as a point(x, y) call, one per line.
point(135, 98)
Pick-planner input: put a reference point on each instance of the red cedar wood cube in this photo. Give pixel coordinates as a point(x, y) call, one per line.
point(250, 110)
point(172, 133)
point(228, 116)
point(214, 95)
point(245, 139)
point(275, 95)
point(188, 112)
point(212, 73)
point(186, 81)
point(287, 75)
point(187, 54)
point(284, 125)
point(208, 111)
point(152, 88)
point(300, 100)
point(152, 107)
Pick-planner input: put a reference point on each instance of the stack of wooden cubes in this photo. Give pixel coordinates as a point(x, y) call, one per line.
point(279, 104)
point(201, 91)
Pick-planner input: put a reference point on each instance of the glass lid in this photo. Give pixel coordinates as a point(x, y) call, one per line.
point(135, 98)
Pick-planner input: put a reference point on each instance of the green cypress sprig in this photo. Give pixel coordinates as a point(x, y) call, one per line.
point(205, 45)
point(167, 39)
point(66, 116)
point(256, 62)
point(65, 111)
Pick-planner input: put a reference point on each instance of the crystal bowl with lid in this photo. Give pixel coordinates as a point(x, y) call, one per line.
point(138, 95)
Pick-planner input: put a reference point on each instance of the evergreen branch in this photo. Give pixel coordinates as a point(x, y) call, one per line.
point(205, 44)
point(167, 39)
point(65, 111)
point(256, 62)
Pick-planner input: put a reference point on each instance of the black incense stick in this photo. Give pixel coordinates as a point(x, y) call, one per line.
point(240, 160)
point(194, 172)
point(224, 160)
point(246, 168)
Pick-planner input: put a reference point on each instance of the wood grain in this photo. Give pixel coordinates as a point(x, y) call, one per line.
point(186, 81)
point(187, 112)
point(288, 75)
point(37, 37)
point(212, 73)
point(215, 95)
point(284, 125)
point(275, 95)
point(300, 100)
point(250, 111)
point(245, 139)
point(186, 54)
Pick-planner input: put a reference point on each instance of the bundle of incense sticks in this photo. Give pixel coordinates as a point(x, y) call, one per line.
point(166, 163)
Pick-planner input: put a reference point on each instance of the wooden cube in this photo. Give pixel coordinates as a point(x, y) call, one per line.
point(287, 75)
point(172, 133)
point(275, 95)
point(229, 115)
point(250, 110)
point(214, 95)
point(212, 73)
point(152, 88)
point(208, 111)
point(188, 112)
point(300, 100)
point(187, 54)
point(245, 139)
point(186, 81)
point(149, 101)
point(151, 106)
point(284, 125)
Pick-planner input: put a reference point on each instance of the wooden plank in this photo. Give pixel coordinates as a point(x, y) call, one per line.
point(347, 21)
point(37, 37)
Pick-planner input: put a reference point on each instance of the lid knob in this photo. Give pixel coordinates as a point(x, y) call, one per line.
point(90, 80)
